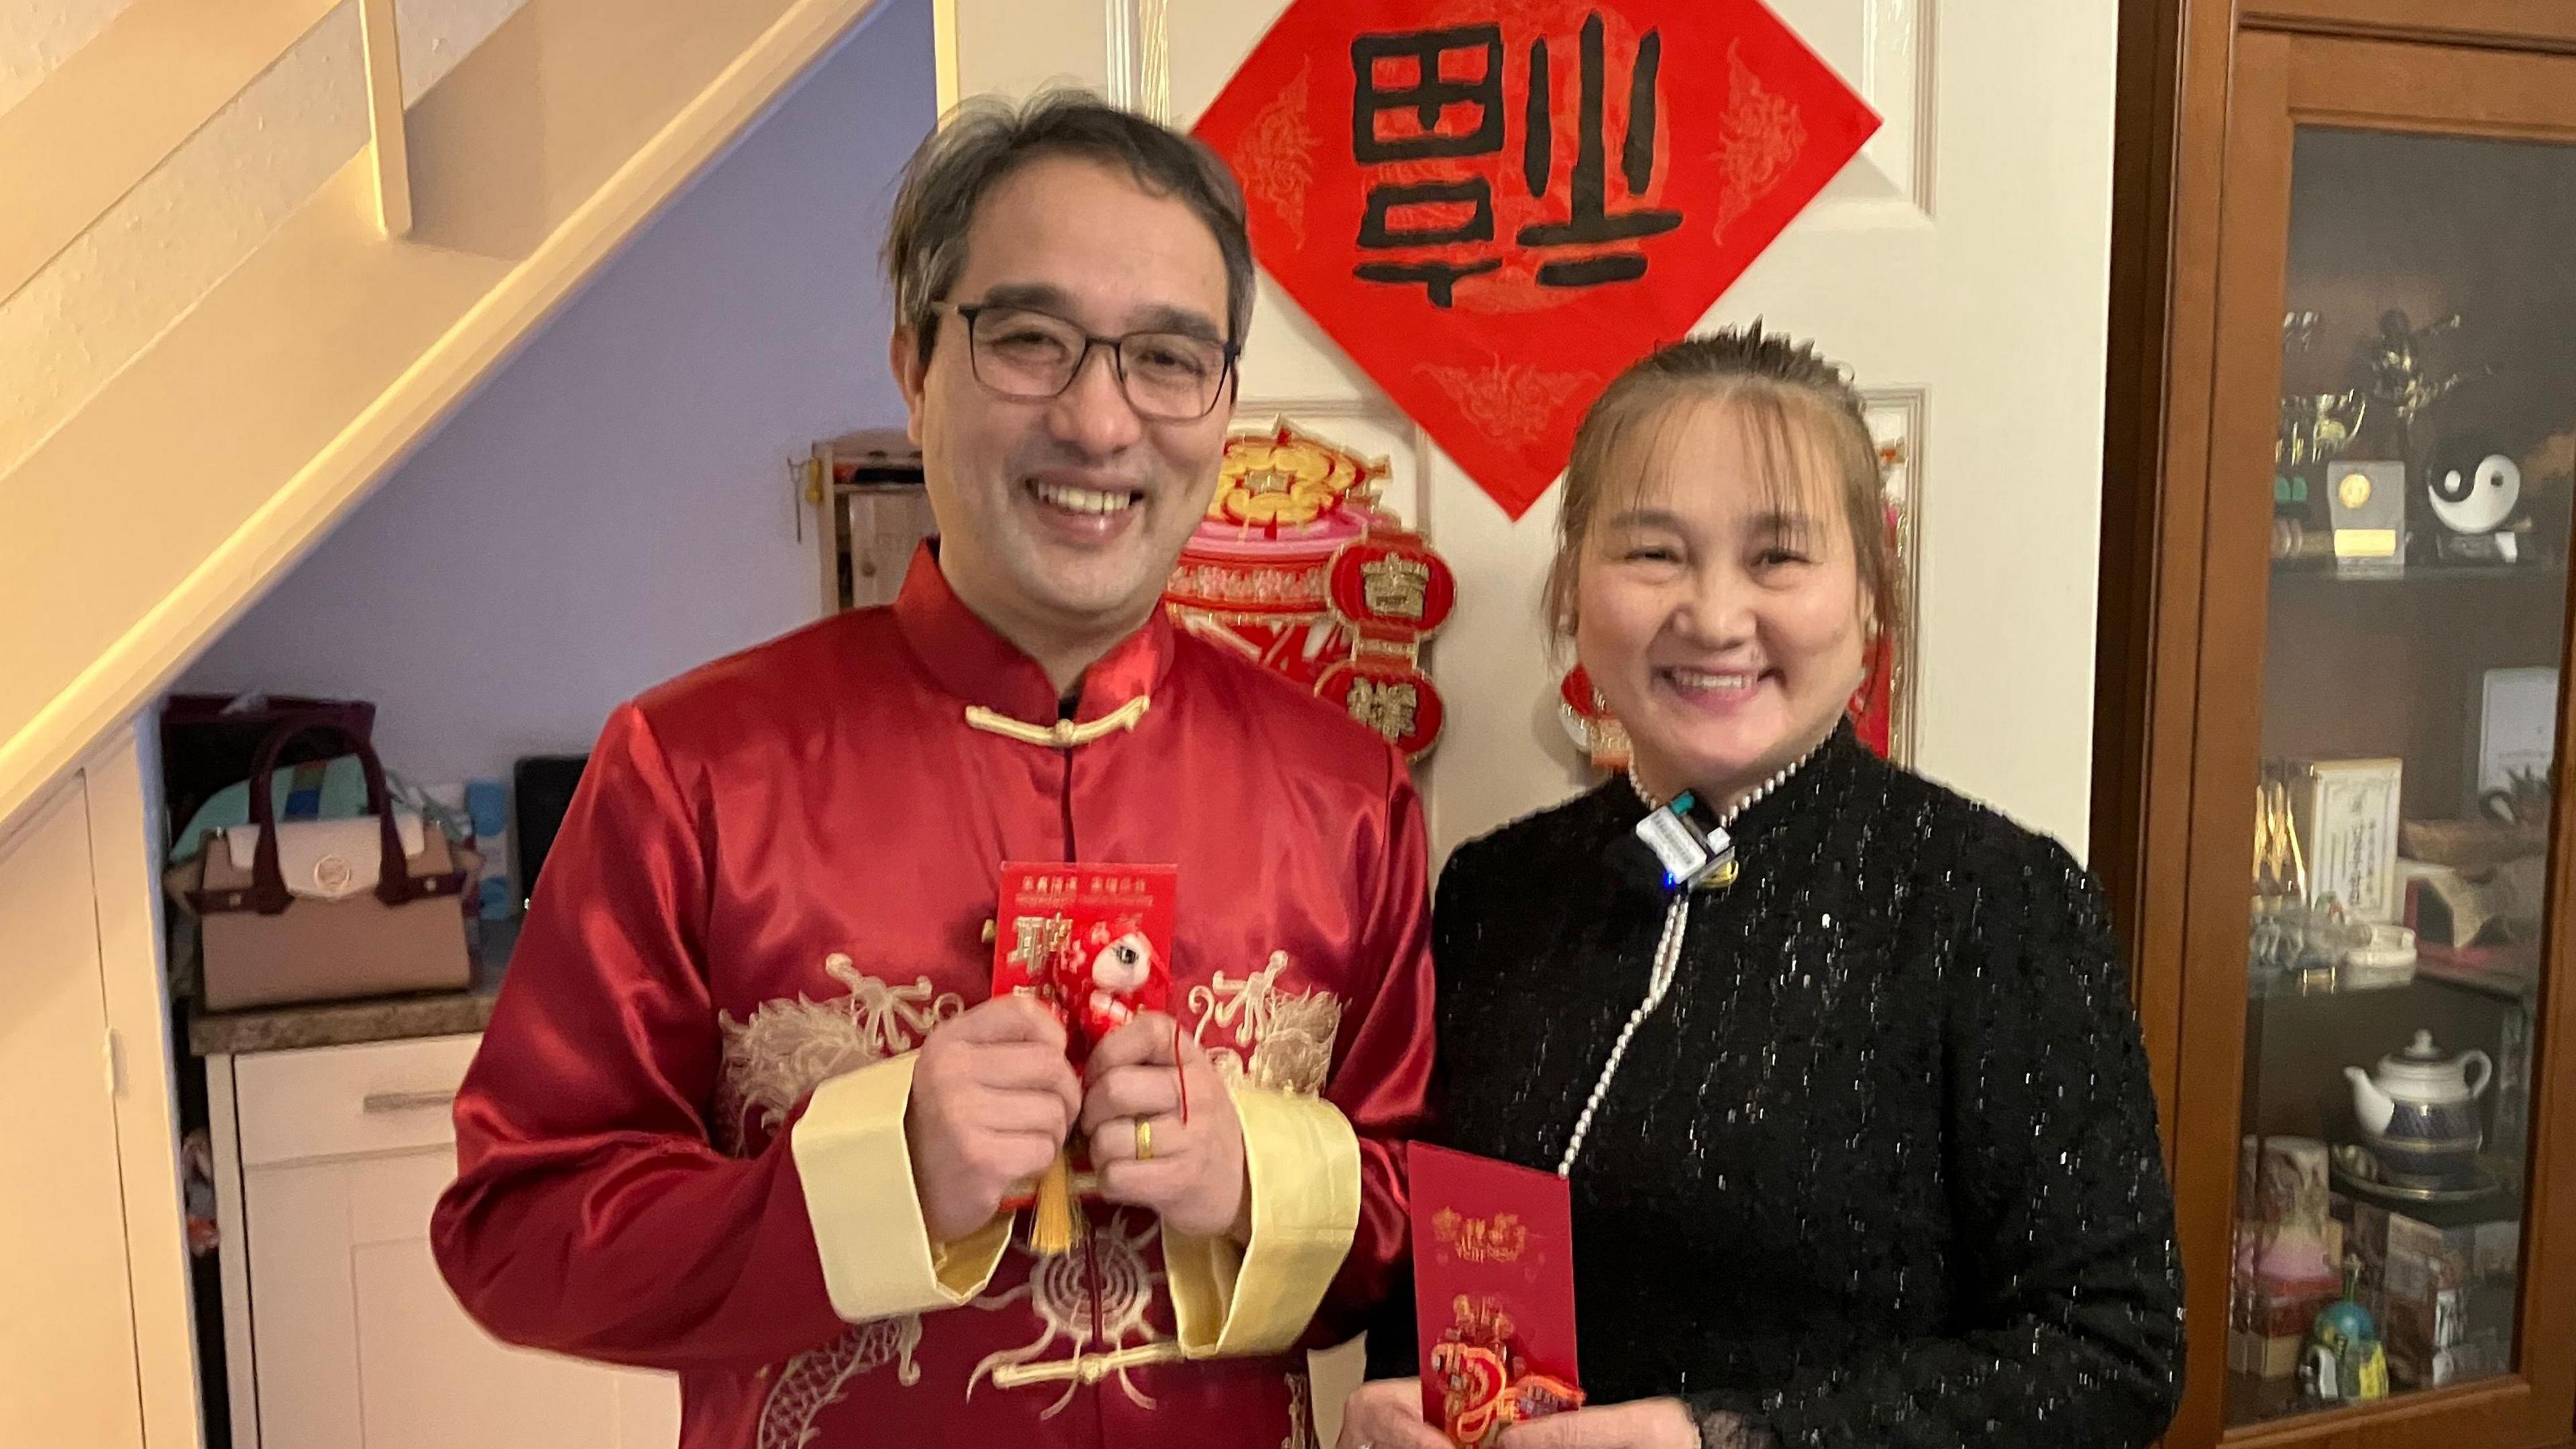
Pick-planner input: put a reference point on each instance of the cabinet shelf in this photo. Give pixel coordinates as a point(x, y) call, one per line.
point(2429, 975)
point(2549, 578)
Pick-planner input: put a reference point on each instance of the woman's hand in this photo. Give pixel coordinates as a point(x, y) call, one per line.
point(1644, 1424)
point(1387, 1414)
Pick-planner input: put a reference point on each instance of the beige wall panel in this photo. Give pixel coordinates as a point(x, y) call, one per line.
point(438, 34)
point(213, 459)
point(193, 217)
point(37, 36)
point(123, 780)
point(67, 1355)
point(106, 296)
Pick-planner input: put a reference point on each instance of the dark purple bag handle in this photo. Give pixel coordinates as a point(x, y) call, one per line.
point(268, 893)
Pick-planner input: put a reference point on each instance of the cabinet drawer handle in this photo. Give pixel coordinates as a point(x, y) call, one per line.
point(382, 1102)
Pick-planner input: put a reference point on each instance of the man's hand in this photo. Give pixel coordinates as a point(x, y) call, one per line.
point(993, 1100)
point(1195, 1175)
point(1387, 1414)
point(1645, 1424)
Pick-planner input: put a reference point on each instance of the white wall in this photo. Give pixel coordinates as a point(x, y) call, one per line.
point(613, 506)
point(37, 36)
point(191, 219)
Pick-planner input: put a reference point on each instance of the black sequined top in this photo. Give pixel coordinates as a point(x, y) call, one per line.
point(1882, 1170)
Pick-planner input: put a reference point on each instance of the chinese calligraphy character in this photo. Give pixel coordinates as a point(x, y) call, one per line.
point(1379, 63)
point(1398, 588)
point(1448, 84)
point(1631, 159)
point(1591, 222)
point(1039, 940)
point(1501, 1238)
point(1390, 708)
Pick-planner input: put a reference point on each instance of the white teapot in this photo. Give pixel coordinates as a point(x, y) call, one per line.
point(2419, 1112)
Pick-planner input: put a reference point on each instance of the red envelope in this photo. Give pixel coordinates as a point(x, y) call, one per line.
point(1493, 1291)
point(1094, 942)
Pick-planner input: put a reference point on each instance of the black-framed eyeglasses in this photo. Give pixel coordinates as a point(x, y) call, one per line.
point(1172, 377)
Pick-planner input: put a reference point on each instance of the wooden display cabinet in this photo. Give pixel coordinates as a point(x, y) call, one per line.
point(2345, 287)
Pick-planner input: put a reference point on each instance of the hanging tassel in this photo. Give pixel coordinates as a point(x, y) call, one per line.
point(1055, 1219)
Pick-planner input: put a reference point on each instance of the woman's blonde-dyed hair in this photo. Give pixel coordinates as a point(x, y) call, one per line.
point(1795, 406)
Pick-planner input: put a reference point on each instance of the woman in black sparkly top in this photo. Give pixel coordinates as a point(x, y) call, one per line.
point(1860, 1141)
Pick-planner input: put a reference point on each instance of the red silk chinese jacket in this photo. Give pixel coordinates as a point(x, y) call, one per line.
point(681, 1144)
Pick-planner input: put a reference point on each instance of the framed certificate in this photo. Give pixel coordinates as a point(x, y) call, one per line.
point(2348, 815)
point(2517, 728)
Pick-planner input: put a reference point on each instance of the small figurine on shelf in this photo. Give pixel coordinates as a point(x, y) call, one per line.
point(2293, 1196)
point(2287, 1249)
point(2524, 799)
point(2469, 509)
point(2549, 494)
point(2390, 366)
point(2345, 1363)
point(2296, 945)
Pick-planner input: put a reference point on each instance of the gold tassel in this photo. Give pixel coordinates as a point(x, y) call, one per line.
point(1055, 1220)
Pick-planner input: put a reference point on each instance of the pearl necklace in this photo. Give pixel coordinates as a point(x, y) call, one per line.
point(1668, 957)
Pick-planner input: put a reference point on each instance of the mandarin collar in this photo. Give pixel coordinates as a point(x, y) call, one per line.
point(1805, 805)
point(968, 659)
point(1815, 780)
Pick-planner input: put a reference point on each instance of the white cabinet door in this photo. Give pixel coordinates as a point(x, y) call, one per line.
point(358, 1343)
point(68, 1371)
point(1959, 265)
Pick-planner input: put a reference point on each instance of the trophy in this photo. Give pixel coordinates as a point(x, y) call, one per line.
point(2314, 426)
point(2317, 427)
point(2367, 502)
point(2314, 430)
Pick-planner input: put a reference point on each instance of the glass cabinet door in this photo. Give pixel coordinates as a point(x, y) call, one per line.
point(2423, 474)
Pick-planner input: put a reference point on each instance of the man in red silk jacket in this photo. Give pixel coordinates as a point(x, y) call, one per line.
point(744, 1111)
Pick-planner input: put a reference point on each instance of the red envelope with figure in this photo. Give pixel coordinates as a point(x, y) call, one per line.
point(1094, 942)
point(1493, 1290)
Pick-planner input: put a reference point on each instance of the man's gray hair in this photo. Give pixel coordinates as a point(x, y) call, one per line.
point(987, 139)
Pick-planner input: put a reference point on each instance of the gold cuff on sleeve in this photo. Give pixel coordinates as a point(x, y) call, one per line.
point(1303, 1164)
point(878, 1260)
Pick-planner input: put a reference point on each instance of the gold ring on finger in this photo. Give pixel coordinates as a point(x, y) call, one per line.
point(1144, 1140)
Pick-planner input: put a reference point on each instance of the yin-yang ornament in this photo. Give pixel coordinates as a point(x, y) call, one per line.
point(2473, 488)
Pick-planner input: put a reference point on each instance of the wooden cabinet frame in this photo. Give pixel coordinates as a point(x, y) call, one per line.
point(2211, 95)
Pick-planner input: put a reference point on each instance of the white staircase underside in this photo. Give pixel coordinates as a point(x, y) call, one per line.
point(149, 517)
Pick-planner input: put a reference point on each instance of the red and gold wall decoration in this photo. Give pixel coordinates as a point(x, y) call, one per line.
point(1299, 567)
point(1493, 206)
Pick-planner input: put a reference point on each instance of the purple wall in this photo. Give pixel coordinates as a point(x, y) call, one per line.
point(613, 506)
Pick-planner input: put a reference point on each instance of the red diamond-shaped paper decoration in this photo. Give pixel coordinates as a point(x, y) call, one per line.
point(1495, 205)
